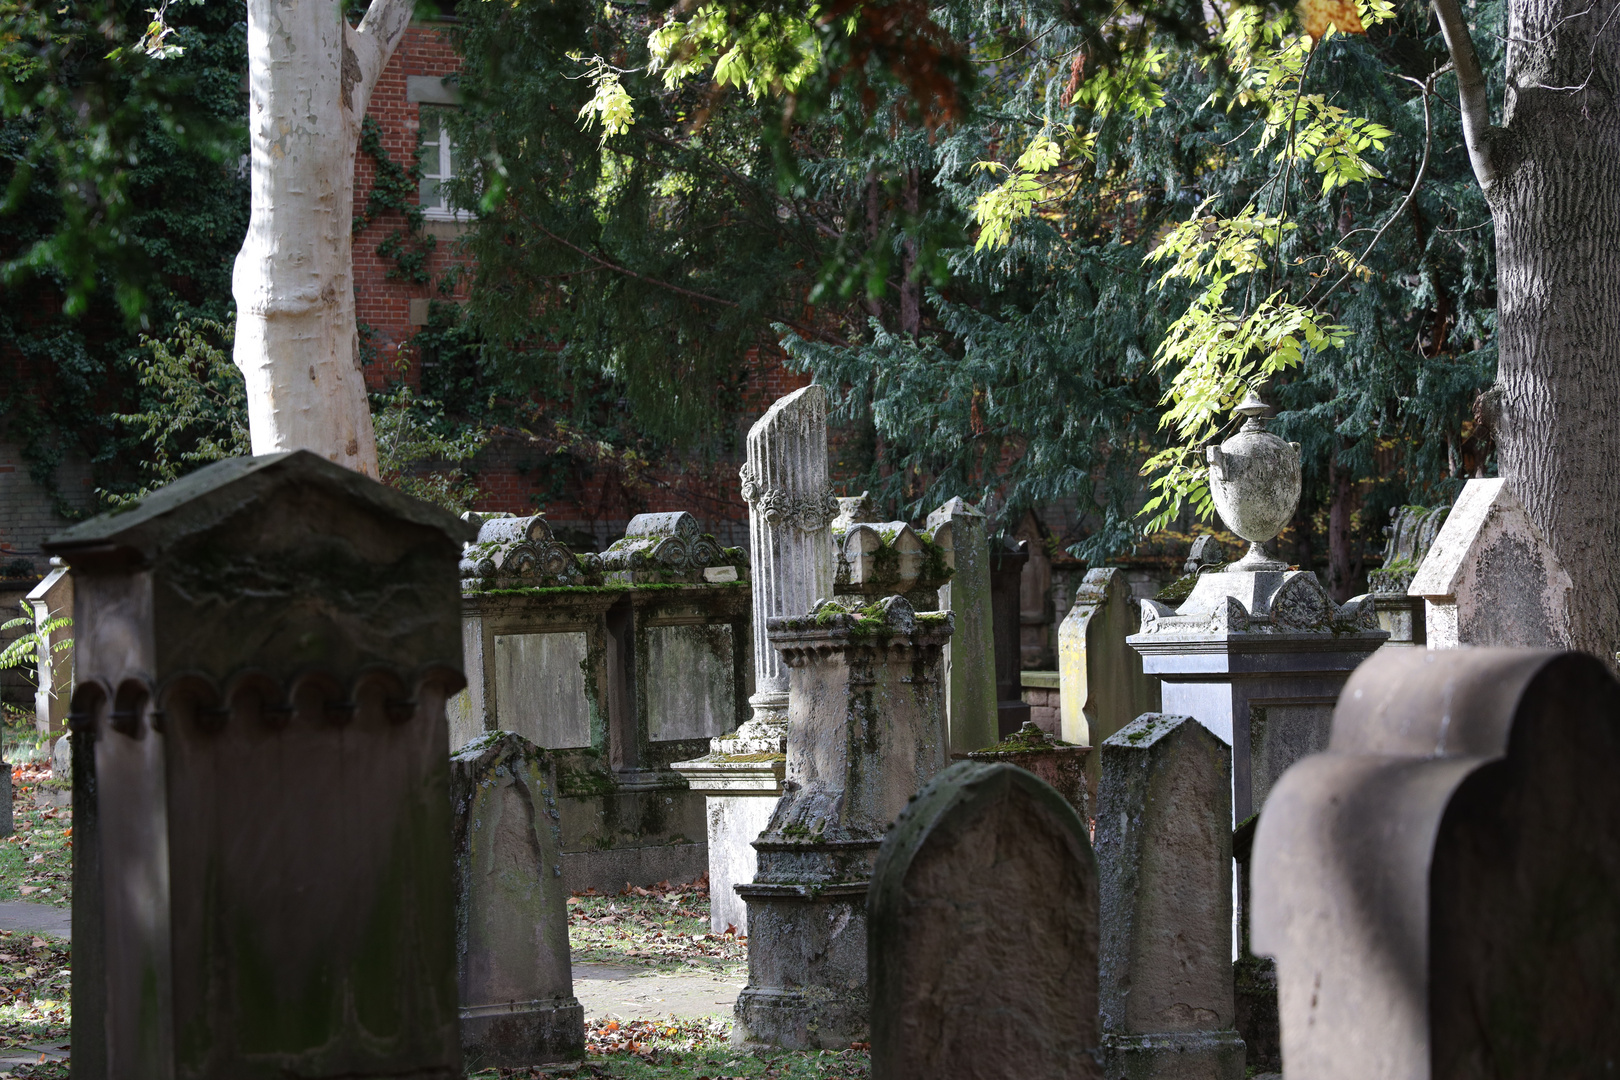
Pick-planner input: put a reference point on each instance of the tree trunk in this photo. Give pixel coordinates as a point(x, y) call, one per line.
point(311, 75)
point(1551, 174)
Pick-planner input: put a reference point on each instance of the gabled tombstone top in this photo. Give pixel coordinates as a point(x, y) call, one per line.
point(1484, 507)
point(196, 504)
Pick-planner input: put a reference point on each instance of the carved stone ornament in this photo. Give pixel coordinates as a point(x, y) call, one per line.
point(666, 547)
point(808, 512)
point(520, 552)
point(1279, 603)
point(1254, 480)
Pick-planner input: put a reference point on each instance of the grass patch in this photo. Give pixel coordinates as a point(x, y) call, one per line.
point(662, 928)
point(36, 861)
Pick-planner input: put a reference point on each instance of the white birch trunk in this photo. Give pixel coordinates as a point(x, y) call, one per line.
point(311, 76)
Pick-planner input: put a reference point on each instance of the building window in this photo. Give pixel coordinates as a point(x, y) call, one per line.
point(438, 166)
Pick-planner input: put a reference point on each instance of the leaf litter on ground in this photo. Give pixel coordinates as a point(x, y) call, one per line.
point(666, 926)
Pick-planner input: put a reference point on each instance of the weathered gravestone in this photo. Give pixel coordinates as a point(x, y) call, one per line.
point(1102, 684)
point(790, 514)
point(1441, 887)
point(1057, 763)
point(51, 601)
point(865, 733)
point(983, 934)
point(517, 989)
point(262, 875)
point(1411, 533)
point(970, 657)
point(1164, 853)
point(1490, 577)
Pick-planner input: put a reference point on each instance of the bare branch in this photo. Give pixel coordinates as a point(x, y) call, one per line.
point(376, 38)
point(1476, 110)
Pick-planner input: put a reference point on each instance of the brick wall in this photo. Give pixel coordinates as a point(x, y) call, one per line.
point(27, 514)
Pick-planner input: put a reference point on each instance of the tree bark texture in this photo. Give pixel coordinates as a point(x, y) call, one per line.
point(1551, 173)
point(310, 76)
point(1343, 564)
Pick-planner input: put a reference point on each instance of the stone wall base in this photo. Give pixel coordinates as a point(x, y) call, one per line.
point(806, 968)
point(610, 869)
point(1188, 1055)
point(527, 1033)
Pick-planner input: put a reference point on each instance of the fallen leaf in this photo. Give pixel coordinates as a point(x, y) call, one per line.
point(26, 889)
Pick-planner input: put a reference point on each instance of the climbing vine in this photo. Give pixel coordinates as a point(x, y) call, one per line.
point(393, 190)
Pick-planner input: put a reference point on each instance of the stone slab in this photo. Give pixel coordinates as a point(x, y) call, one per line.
point(610, 991)
point(21, 916)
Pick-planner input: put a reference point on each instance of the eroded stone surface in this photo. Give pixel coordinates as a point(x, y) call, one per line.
point(1164, 852)
point(983, 934)
point(970, 662)
point(516, 987)
point(1103, 685)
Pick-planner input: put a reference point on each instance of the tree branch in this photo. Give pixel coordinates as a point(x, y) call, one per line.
point(377, 36)
point(1476, 110)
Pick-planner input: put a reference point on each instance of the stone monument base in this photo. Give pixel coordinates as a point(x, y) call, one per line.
point(1171, 1055)
point(741, 790)
point(523, 1033)
point(806, 968)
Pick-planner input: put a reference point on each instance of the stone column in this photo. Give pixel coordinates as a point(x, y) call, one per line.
point(262, 871)
point(865, 734)
point(970, 657)
point(1164, 854)
point(517, 989)
point(790, 513)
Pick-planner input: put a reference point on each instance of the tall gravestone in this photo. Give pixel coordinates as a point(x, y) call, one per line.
point(1164, 852)
point(970, 657)
point(983, 934)
point(1441, 887)
point(1411, 533)
point(517, 990)
point(1101, 681)
point(790, 513)
point(865, 732)
point(1257, 652)
point(1008, 558)
point(262, 871)
point(1490, 577)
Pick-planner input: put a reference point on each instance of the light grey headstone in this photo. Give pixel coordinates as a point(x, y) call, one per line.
point(970, 658)
point(1102, 686)
point(983, 933)
point(1441, 887)
point(1164, 854)
point(516, 984)
point(50, 600)
point(1491, 577)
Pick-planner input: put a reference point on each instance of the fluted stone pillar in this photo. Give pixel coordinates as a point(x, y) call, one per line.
point(790, 514)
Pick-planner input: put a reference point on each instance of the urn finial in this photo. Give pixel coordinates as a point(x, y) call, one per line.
point(1254, 480)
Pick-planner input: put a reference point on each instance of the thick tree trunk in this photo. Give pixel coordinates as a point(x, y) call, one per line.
point(310, 75)
point(1343, 566)
point(1551, 173)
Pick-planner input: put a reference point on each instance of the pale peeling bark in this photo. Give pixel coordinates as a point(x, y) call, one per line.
point(311, 75)
point(1551, 173)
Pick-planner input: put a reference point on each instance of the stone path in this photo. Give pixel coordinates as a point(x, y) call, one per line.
point(20, 915)
point(628, 993)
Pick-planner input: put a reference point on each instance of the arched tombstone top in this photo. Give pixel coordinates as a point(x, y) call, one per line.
point(1441, 888)
point(673, 523)
point(983, 932)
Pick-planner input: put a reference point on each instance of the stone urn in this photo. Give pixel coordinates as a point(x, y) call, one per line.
point(1254, 481)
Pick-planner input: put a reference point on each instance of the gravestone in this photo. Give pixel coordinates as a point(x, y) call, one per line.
point(1490, 577)
point(1441, 887)
point(1164, 855)
point(790, 513)
point(970, 657)
point(262, 874)
point(1411, 533)
point(52, 599)
point(1101, 681)
point(1060, 765)
point(1007, 561)
point(983, 934)
point(517, 992)
point(865, 733)
point(619, 665)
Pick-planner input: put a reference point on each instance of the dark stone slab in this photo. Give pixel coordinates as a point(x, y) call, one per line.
point(262, 865)
point(1441, 887)
point(983, 933)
